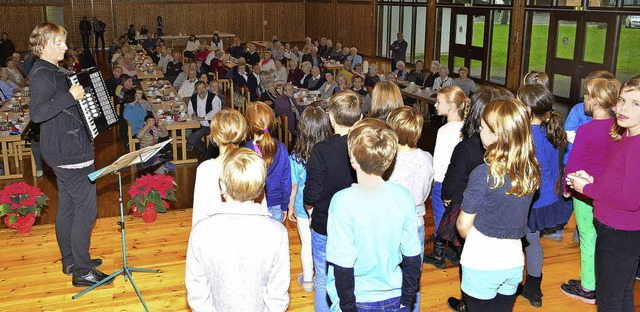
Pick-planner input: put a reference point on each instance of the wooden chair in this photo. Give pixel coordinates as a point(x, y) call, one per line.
point(226, 87)
point(286, 136)
point(131, 139)
point(247, 99)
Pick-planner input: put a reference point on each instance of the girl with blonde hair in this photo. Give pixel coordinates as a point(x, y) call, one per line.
point(454, 104)
point(228, 130)
point(494, 211)
point(385, 97)
point(261, 118)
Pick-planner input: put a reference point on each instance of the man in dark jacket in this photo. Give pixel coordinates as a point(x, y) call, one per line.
point(85, 31)
point(398, 51)
point(98, 29)
point(67, 149)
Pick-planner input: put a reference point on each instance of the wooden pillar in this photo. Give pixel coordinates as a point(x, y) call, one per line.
point(431, 33)
point(514, 60)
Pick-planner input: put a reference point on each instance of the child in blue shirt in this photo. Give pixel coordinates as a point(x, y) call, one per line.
point(372, 233)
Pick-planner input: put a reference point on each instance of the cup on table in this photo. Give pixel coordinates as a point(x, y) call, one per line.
point(160, 111)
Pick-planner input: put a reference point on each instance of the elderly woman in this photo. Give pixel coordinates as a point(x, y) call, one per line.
point(267, 64)
point(120, 61)
point(306, 74)
point(14, 73)
point(270, 95)
point(280, 74)
point(7, 87)
point(467, 85)
point(295, 73)
point(433, 74)
point(443, 80)
point(326, 90)
point(372, 78)
point(277, 52)
point(342, 84)
point(401, 73)
point(295, 54)
point(354, 57)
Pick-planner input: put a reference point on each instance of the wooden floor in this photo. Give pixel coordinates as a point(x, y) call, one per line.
point(31, 280)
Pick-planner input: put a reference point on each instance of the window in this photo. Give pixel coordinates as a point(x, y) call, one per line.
point(411, 20)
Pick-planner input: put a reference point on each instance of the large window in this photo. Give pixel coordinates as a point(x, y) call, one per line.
point(408, 17)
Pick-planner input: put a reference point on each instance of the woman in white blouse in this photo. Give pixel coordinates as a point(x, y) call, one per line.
point(443, 80)
point(192, 45)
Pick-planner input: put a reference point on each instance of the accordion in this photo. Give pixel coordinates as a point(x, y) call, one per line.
point(96, 108)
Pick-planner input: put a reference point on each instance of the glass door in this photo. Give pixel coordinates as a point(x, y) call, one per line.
point(468, 42)
point(578, 44)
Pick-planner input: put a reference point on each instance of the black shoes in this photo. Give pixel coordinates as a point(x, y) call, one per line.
point(93, 277)
point(531, 290)
point(69, 268)
point(456, 304)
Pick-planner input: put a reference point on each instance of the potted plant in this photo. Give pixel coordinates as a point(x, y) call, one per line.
point(150, 194)
point(20, 205)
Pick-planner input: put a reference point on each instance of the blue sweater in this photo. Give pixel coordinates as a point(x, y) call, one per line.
point(577, 117)
point(547, 157)
point(278, 184)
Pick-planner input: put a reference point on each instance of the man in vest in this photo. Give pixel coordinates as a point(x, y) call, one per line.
point(202, 107)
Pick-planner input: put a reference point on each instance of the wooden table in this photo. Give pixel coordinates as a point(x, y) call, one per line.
point(333, 67)
point(172, 38)
point(147, 69)
point(11, 143)
point(424, 96)
point(261, 45)
point(177, 129)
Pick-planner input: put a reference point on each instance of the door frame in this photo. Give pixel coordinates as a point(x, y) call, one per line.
point(468, 51)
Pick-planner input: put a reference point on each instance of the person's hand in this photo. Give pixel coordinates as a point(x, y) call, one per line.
point(291, 215)
point(77, 91)
point(578, 180)
point(446, 202)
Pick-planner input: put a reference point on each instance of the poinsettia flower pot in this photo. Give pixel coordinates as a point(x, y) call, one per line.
point(21, 223)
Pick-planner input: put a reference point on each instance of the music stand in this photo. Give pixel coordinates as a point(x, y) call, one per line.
point(126, 160)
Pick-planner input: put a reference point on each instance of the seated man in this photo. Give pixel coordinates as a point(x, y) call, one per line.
point(313, 57)
point(164, 57)
point(286, 104)
point(114, 80)
point(316, 81)
point(236, 50)
point(7, 87)
point(347, 72)
point(337, 53)
point(329, 50)
point(358, 87)
point(174, 67)
point(149, 44)
point(418, 75)
point(182, 77)
point(202, 107)
point(252, 57)
point(188, 87)
point(250, 272)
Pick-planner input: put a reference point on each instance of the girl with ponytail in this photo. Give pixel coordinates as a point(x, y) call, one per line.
point(260, 118)
point(546, 210)
point(454, 104)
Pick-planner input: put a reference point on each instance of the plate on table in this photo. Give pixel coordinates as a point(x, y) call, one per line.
point(157, 101)
point(314, 92)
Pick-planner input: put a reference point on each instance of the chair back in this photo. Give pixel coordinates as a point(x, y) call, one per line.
point(131, 139)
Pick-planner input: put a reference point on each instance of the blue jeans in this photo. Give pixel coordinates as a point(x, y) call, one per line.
point(416, 307)
point(319, 250)
point(276, 213)
point(437, 205)
point(389, 305)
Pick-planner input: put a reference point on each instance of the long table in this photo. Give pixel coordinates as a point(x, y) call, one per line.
point(146, 68)
point(177, 129)
point(424, 96)
point(185, 37)
point(10, 142)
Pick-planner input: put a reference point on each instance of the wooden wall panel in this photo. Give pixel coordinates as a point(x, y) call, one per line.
point(19, 21)
point(245, 20)
point(355, 26)
point(320, 20)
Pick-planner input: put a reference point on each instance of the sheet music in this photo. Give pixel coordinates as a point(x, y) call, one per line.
point(129, 159)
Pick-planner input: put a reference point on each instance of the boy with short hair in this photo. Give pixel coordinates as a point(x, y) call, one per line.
point(372, 232)
point(250, 272)
point(329, 171)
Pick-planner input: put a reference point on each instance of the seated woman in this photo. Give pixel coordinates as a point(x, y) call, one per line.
point(14, 73)
point(326, 90)
point(126, 84)
point(467, 85)
point(443, 80)
point(191, 47)
point(295, 73)
point(135, 109)
point(342, 84)
point(143, 30)
point(353, 57)
point(270, 95)
point(306, 74)
point(216, 43)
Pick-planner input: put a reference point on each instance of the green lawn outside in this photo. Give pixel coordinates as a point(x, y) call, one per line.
point(628, 64)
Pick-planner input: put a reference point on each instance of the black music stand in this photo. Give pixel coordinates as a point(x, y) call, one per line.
point(126, 160)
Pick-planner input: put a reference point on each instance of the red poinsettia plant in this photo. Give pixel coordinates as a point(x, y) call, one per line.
point(20, 204)
point(149, 195)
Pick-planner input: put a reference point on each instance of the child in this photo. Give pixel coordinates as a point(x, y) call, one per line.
point(228, 131)
point(260, 118)
point(329, 171)
point(546, 210)
point(616, 208)
point(372, 233)
point(454, 104)
point(494, 208)
point(590, 152)
point(249, 272)
point(414, 167)
point(313, 127)
point(149, 135)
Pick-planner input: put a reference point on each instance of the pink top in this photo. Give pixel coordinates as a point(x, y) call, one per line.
point(615, 193)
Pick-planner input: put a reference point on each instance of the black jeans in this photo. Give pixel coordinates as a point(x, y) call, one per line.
point(77, 208)
point(195, 138)
point(85, 41)
point(617, 254)
point(500, 303)
point(100, 35)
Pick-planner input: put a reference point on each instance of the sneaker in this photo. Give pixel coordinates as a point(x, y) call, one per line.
point(39, 173)
point(557, 237)
point(573, 282)
point(306, 286)
point(577, 292)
